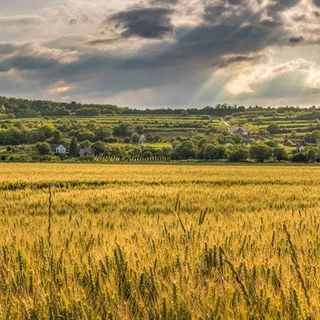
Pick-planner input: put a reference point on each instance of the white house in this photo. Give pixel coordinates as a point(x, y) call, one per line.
point(59, 149)
point(142, 139)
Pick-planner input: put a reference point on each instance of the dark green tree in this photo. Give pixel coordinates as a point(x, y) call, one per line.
point(280, 154)
point(273, 128)
point(74, 147)
point(214, 152)
point(43, 148)
point(98, 148)
point(239, 154)
point(123, 130)
point(185, 150)
point(260, 152)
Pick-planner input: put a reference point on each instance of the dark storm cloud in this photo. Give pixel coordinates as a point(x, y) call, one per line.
point(153, 23)
point(225, 30)
point(195, 48)
point(216, 40)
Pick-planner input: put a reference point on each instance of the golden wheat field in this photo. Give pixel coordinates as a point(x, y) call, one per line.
point(159, 242)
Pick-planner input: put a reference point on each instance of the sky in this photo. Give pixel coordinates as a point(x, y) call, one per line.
point(162, 53)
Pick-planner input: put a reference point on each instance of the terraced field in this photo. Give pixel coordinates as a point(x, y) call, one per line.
point(291, 124)
point(159, 242)
point(166, 126)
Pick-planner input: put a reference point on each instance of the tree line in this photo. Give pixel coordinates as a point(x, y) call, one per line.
point(23, 108)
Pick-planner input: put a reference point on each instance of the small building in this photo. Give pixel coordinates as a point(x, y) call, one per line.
point(142, 139)
point(86, 152)
point(239, 130)
point(59, 149)
point(301, 148)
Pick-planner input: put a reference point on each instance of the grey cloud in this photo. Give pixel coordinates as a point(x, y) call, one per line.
point(26, 56)
point(275, 8)
point(296, 39)
point(26, 63)
point(19, 21)
point(152, 23)
point(316, 2)
point(229, 12)
point(101, 41)
point(235, 2)
point(70, 42)
point(239, 58)
point(8, 48)
point(213, 12)
point(163, 2)
point(73, 21)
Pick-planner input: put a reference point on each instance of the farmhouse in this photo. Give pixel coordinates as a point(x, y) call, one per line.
point(142, 139)
point(59, 149)
point(239, 130)
point(86, 152)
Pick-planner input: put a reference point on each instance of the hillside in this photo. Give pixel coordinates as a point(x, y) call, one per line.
point(32, 130)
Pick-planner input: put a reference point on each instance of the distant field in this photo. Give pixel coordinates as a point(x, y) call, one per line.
point(159, 242)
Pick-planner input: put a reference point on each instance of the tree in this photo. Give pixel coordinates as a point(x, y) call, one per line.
point(45, 131)
point(135, 138)
point(238, 154)
point(313, 137)
point(56, 138)
point(313, 154)
point(273, 128)
point(43, 148)
point(214, 152)
point(103, 133)
point(147, 154)
point(299, 157)
point(186, 150)
point(123, 130)
point(85, 144)
point(140, 129)
point(99, 148)
point(280, 154)
point(260, 152)
point(74, 147)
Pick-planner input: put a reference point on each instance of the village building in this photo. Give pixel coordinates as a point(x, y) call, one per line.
point(59, 149)
point(142, 139)
point(239, 130)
